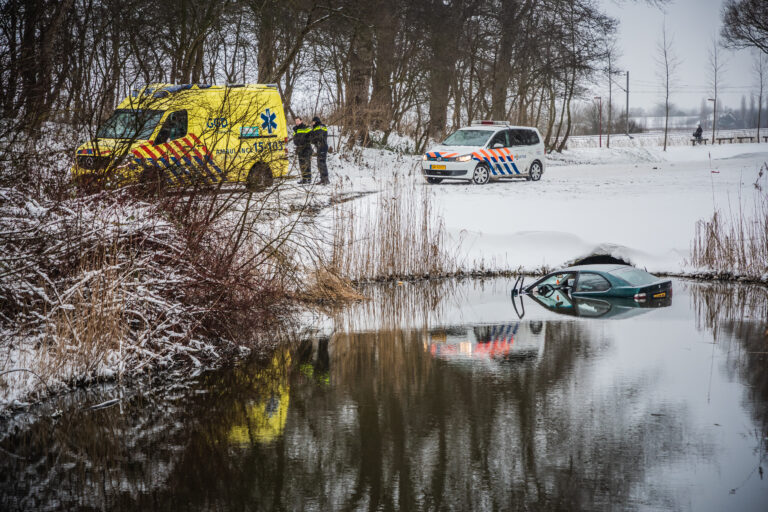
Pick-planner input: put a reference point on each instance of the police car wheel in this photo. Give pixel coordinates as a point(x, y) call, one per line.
point(434, 181)
point(481, 175)
point(534, 173)
point(259, 177)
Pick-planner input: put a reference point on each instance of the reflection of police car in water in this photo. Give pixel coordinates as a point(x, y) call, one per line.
point(484, 151)
point(499, 342)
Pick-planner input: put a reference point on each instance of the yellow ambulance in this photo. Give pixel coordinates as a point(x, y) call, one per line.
point(185, 135)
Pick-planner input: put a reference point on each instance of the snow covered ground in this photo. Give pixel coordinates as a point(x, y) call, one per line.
point(638, 203)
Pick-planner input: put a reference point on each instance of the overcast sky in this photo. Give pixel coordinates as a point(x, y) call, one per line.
point(692, 24)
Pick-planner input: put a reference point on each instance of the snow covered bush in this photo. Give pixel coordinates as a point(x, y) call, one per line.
point(115, 283)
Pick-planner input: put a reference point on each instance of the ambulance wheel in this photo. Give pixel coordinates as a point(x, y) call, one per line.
point(535, 171)
point(259, 177)
point(481, 175)
point(434, 181)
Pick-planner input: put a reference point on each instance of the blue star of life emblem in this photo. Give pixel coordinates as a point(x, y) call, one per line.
point(269, 123)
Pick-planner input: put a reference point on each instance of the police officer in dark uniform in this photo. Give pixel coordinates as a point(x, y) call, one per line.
point(320, 140)
point(301, 138)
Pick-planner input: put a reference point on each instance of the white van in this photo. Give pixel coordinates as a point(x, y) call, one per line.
point(484, 151)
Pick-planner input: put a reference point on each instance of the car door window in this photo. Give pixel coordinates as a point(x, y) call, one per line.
point(559, 279)
point(588, 282)
point(499, 138)
point(516, 137)
point(531, 138)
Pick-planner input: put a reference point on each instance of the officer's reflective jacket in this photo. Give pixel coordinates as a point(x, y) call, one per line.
point(320, 137)
point(301, 137)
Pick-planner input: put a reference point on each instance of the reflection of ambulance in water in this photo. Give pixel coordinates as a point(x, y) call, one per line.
point(262, 419)
point(502, 342)
point(189, 134)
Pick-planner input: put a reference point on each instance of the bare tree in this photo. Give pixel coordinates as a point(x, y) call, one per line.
point(716, 70)
point(666, 63)
point(745, 24)
point(760, 68)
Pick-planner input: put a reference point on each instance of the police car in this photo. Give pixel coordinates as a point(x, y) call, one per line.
point(484, 151)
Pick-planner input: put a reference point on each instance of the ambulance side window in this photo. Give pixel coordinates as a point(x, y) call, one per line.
point(175, 126)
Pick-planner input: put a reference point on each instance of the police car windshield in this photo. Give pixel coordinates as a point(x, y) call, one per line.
point(468, 138)
point(130, 124)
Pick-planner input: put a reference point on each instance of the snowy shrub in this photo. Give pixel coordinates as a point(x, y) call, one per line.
point(116, 283)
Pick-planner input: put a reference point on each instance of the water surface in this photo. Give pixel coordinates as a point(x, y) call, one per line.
point(436, 397)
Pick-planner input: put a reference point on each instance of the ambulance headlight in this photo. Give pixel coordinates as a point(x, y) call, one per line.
point(464, 158)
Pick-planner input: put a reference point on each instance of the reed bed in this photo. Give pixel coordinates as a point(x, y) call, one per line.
point(400, 235)
point(735, 243)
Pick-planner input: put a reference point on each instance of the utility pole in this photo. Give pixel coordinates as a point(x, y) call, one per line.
point(610, 83)
point(627, 127)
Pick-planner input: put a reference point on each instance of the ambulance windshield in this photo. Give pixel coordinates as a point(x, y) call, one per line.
point(468, 138)
point(130, 124)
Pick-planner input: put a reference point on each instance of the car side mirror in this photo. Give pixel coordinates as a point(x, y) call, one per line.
point(497, 145)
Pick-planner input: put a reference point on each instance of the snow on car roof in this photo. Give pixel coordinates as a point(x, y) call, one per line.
point(600, 267)
point(494, 127)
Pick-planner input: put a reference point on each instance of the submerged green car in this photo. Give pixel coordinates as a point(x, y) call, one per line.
point(601, 281)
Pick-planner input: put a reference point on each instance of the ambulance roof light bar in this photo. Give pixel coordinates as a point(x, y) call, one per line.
point(489, 122)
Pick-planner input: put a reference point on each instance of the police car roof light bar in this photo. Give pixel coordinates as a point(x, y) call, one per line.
point(489, 122)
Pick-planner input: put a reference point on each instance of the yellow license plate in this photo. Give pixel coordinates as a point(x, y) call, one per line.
point(659, 295)
point(437, 167)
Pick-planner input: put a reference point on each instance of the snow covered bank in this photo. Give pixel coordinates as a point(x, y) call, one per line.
point(639, 204)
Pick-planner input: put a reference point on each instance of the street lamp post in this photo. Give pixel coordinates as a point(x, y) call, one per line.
point(714, 116)
point(600, 117)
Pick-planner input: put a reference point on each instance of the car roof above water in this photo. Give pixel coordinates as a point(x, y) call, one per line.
point(597, 267)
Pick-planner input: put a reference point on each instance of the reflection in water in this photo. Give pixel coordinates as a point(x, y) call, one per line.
point(737, 318)
point(606, 307)
point(499, 342)
point(264, 417)
point(456, 404)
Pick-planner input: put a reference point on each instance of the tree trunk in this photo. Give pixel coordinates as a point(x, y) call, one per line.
point(360, 74)
point(267, 35)
point(385, 31)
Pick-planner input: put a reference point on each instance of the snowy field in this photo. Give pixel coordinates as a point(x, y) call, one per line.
point(640, 204)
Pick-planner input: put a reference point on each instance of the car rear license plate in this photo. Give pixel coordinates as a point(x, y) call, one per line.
point(437, 167)
point(659, 295)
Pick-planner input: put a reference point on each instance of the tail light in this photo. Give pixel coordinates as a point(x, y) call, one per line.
point(640, 297)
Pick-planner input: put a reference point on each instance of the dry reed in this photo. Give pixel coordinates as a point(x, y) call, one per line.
point(399, 236)
point(84, 339)
point(735, 243)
